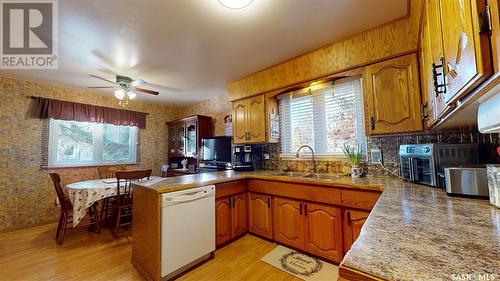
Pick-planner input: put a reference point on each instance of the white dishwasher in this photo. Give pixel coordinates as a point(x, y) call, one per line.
point(187, 229)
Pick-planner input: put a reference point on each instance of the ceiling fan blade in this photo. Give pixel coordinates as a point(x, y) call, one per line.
point(101, 87)
point(146, 91)
point(138, 82)
point(161, 87)
point(103, 79)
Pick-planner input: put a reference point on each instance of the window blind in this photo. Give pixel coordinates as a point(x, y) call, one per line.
point(325, 118)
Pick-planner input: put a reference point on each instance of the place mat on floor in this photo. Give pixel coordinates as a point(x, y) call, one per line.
point(301, 265)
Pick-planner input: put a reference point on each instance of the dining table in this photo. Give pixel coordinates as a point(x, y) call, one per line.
point(84, 194)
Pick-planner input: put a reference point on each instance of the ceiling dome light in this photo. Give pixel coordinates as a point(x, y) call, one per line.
point(120, 94)
point(131, 95)
point(235, 4)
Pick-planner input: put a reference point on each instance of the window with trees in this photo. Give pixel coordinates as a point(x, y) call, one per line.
point(73, 143)
point(324, 116)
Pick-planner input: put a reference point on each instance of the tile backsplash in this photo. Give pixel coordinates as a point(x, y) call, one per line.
point(389, 145)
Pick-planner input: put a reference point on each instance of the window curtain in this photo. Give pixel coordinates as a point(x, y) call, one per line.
point(44, 108)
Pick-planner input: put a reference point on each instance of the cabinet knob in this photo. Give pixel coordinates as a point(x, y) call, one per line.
point(372, 123)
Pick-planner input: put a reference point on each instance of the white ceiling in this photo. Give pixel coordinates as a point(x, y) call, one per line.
point(197, 46)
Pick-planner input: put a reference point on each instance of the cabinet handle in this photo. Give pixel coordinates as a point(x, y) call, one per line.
point(305, 210)
point(232, 199)
point(424, 115)
point(269, 202)
point(435, 75)
point(348, 218)
point(372, 123)
point(300, 209)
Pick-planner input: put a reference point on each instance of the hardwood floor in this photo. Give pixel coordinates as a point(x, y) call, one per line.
point(32, 254)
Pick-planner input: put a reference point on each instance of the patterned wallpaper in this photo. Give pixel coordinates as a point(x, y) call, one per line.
point(216, 107)
point(26, 192)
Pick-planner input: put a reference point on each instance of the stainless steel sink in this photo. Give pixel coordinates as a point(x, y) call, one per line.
point(321, 176)
point(291, 174)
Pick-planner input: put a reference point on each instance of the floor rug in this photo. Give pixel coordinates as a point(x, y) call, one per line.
point(301, 265)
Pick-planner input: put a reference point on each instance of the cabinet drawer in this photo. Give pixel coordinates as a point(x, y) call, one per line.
point(315, 193)
point(230, 188)
point(359, 199)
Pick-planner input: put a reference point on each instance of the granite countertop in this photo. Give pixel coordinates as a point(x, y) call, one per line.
point(414, 232)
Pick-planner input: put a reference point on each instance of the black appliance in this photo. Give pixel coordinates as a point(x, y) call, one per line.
point(215, 153)
point(243, 158)
point(425, 163)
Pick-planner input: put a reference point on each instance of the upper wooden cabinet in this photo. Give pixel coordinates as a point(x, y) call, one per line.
point(251, 120)
point(467, 57)
point(392, 96)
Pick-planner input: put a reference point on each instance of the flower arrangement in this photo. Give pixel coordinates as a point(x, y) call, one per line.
point(353, 154)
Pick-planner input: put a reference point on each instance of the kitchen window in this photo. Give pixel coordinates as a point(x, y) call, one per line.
point(324, 116)
point(73, 143)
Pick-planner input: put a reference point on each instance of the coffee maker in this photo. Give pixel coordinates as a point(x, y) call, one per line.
point(243, 160)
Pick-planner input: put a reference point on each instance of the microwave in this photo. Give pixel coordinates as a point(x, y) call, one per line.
point(425, 163)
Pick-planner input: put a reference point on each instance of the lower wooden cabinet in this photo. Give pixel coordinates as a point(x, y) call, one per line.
point(324, 231)
point(353, 221)
point(314, 228)
point(231, 217)
point(260, 219)
point(289, 222)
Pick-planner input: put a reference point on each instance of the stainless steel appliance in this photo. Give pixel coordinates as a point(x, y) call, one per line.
point(467, 181)
point(425, 163)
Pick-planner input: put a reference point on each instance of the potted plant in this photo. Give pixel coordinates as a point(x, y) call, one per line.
point(354, 157)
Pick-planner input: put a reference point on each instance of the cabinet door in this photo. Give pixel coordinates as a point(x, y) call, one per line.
point(466, 51)
point(260, 215)
point(172, 139)
point(392, 96)
point(239, 214)
point(324, 231)
point(240, 129)
point(181, 138)
point(289, 222)
point(191, 139)
point(223, 220)
point(354, 220)
point(257, 119)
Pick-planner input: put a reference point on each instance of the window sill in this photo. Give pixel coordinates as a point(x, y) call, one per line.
point(308, 157)
point(88, 165)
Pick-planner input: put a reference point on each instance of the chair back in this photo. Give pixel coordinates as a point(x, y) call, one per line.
point(124, 183)
point(61, 193)
point(108, 172)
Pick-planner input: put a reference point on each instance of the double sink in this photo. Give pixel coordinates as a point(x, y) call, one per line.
point(308, 175)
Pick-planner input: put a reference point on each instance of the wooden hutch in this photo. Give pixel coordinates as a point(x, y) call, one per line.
point(184, 141)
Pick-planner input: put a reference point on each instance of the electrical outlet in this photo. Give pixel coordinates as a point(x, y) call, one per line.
point(376, 155)
point(266, 156)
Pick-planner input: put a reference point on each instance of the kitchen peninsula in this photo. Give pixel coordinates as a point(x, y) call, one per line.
point(460, 235)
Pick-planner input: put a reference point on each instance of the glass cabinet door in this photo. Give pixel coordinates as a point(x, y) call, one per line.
point(172, 139)
point(180, 139)
point(191, 139)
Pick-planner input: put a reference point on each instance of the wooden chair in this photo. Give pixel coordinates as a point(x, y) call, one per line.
point(122, 207)
point(108, 172)
point(66, 217)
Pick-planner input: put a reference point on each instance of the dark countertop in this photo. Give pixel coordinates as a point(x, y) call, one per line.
point(414, 232)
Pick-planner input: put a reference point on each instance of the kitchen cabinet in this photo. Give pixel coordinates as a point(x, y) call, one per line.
point(231, 217)
point(250, 119)
point(323, 231)
point(260, 219)
point(223, 220)
point(353, 221)
point(392, 96)
point(314, 228)
point(467, 57)
point(289, 222)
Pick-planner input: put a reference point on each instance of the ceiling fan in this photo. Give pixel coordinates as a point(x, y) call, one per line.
point(125, 88)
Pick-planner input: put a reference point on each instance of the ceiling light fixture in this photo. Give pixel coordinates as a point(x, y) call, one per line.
point(235, 4)
point(120, 94)
point(131, 95)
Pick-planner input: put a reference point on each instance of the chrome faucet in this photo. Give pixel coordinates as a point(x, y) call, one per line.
point(315, 170)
